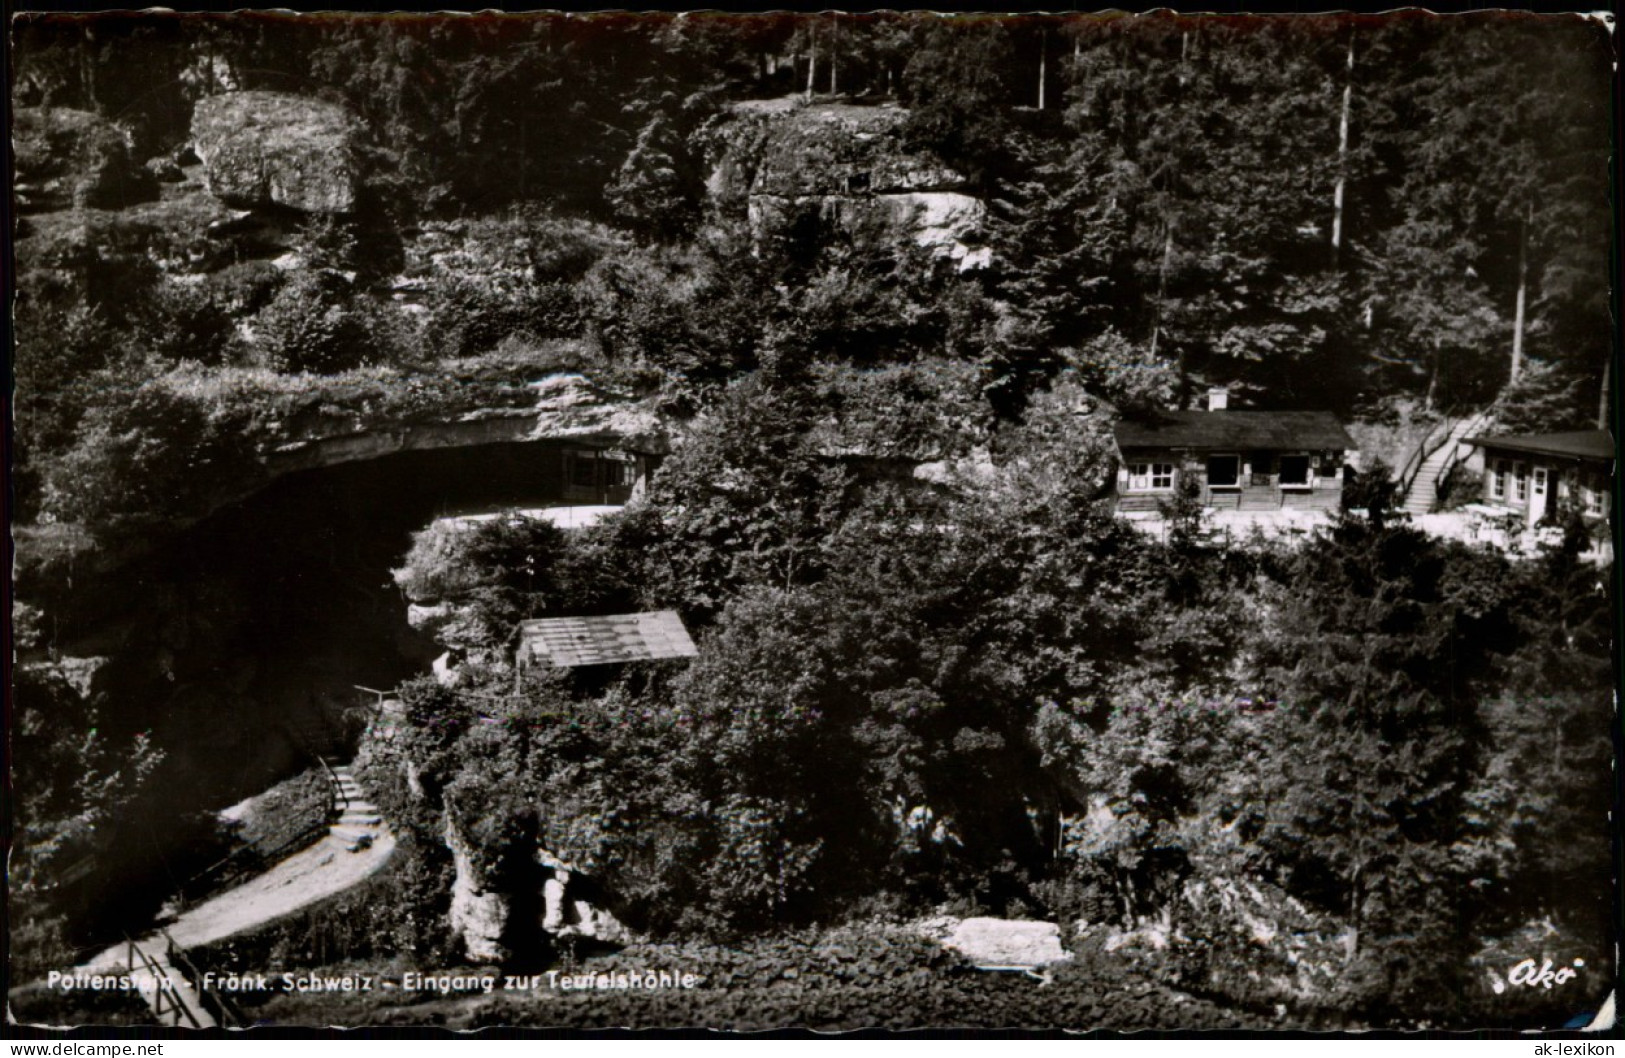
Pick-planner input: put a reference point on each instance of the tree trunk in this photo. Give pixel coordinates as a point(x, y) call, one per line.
point(87, 69)
point(524, 155)
point(1602, 401)
point(1433, 380)
point(1043, 50)
point(834, 57)
point(812, 65)
point(1162, 291)
point(1523, 289)
point(1342, 159)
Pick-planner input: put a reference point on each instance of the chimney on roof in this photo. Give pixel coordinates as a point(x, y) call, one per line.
point(1218, 398)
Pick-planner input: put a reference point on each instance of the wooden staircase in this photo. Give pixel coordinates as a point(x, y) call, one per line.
point(1438, 453)
point(173, 999)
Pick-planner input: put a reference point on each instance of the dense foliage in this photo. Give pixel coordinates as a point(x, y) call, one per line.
point(1289, 206)
point(1329, 738)
point(934, 669)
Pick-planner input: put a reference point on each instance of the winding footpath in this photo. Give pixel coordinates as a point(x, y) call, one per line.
point(355, 847)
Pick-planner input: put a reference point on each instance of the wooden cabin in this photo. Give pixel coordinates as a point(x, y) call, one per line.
point(1242, 460)
point(1531, 475)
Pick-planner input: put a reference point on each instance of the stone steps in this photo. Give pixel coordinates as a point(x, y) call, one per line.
point(359, 822)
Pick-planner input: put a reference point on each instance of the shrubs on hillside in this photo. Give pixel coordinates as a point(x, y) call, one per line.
point(1004, 697)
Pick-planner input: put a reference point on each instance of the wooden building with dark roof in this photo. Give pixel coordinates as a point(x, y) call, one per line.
point(1531, 475)
point(1242, 460)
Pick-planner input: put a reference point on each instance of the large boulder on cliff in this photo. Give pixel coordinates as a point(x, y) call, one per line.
point(265, 148)
point(843, 149)
point(73, 159)
point(851, 164)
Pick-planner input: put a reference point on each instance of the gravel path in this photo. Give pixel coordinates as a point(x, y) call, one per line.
point(320, 871)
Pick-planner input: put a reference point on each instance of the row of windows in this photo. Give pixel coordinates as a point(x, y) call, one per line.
point(1510, 479)
point(1515, 480)
point(1224, 471)
point(592, 470)
point(1143, 476)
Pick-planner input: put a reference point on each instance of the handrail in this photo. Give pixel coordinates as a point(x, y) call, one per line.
point(1424, 448)
point(256, 854)
point(163, 988)
point(224, 1007)
point(339, 796)
point(379, 697)
point(339, 802)
point(1473, 425)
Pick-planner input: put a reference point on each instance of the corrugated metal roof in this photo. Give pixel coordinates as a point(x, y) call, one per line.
point(1574, 444)
point(566, 642)
point(1223, 430)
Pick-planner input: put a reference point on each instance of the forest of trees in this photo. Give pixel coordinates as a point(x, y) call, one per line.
point(992, 695)
point(1320, 212)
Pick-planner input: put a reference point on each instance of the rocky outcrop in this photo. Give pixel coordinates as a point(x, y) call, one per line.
point(565, 915)
point(479, 916)
point(73, 159)
point(567, 407)
point(850, 164)
point(263, 149)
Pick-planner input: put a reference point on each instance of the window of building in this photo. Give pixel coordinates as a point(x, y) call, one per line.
point(1592, 494)
point(1295, 470)
point(1223, 471)
point(1498, 479)
point(618, 473)
point(1147, 477)
point(583, 470)
point(1520, 479)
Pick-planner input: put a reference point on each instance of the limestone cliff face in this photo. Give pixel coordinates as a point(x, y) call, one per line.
point(481, 916)
point(478, 915)
point(264, 148)
point(567, 407)
point(850, 163)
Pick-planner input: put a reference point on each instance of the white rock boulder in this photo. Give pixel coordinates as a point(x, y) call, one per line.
point(1003, 944)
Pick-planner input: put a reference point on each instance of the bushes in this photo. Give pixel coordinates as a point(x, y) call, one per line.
point(152, 456)
point(490, 575)
point(181, 321)
point(468, 316)
point(312, 324)
point(396, 914)
point(285, 811)
point(514, 277)
point(862, 978)
point(846, 979)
